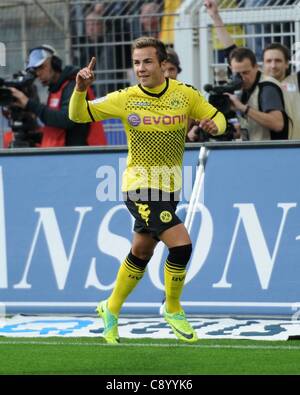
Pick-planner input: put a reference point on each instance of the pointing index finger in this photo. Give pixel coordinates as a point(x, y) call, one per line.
point(92, 63)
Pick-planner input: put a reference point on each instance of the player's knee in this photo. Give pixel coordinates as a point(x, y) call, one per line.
point(141, 259)
point(180, 255)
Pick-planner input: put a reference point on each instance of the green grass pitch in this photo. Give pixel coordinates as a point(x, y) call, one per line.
point(91, 356)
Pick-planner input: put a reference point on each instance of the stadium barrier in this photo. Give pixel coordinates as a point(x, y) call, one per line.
point(183, 24)
point(254, 23)
point(64, 230)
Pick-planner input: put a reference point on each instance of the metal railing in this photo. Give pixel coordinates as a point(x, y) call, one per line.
point(253, 23)
point(79, 29)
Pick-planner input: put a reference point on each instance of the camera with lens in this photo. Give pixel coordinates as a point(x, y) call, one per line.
point(222, 103)
point(23, 123)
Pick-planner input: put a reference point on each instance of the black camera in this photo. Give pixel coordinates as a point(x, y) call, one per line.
point(21, 80)
point(222, 103)
point(216, 93)
point(23, 124)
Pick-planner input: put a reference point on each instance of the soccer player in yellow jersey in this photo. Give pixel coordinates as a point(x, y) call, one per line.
point(155, 115)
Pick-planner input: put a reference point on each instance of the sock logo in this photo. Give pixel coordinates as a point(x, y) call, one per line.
point(178, 278)
point(165, 216)
point(134, 277)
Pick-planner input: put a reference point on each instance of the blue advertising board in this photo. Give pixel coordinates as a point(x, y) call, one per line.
point(246, 235)
point(64, 231)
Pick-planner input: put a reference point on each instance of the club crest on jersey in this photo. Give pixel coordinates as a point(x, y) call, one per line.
point(134, 119)
point(175, 103)
point(165, 216)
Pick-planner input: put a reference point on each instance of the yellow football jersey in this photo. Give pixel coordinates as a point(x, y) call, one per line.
point(155, 122)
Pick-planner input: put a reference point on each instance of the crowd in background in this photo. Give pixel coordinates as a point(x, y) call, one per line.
point(107, 31)
point(109, 40)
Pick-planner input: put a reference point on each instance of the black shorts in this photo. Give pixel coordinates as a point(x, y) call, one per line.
point(152, 215)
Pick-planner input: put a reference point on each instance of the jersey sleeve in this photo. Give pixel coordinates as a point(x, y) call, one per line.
point(82, 110)
point(202, 109)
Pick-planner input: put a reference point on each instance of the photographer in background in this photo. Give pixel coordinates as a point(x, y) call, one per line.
point(58, 131)
point(261, 105)
point(195, 134)
point(24, 126)
point(219, 99)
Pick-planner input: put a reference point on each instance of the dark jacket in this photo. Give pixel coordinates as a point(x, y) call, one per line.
point(76, 133)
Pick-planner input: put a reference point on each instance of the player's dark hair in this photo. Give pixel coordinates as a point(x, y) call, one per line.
point(144, 42)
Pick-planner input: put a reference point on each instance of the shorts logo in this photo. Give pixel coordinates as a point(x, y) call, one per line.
point(134, 119)
point(144, 211)
point(165, 216)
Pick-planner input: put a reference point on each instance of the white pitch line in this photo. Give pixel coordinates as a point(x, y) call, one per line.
point(164, 345)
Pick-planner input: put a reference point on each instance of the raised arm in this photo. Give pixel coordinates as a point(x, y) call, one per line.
point(222, 33)
point(85, 77)
point(78, 109)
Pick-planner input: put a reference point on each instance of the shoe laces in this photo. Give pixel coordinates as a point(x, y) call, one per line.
point(111, 320)
point(178, 316)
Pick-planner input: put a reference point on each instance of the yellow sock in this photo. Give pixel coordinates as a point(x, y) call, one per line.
point(174, 281)
point(128, 277)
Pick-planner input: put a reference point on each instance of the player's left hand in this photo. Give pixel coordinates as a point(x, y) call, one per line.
point(209, 126)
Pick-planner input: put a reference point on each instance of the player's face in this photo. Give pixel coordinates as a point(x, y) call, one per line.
point(275, 64)
point(170, 70)
point(247, 71)
point(147, 68)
